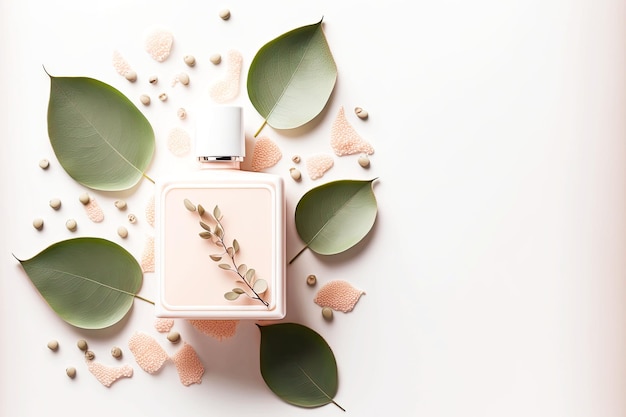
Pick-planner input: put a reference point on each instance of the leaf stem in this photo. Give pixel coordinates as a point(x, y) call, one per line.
point(261, 128)
point(147, 177)
point(298, 254)
point(139, 297)
point(340, 407)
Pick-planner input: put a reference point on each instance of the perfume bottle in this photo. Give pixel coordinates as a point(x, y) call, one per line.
point(220, 232)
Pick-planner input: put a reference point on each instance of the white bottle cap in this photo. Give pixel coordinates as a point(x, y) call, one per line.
point(219, 134)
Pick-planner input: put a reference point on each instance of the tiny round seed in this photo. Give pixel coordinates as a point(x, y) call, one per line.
point(181, 113)
point(183, 78)
point(295, 174)
point(163, 97)
point(327, 313)
point(44, 164)
point(38, 223)
point(215, 59)
point(71, 371)
point(296, 159)
point(361, 114)
point(189, 60)
point(71, 225)
point(173, 337)
point(153, 79)
point(116, 352)
point(145, 99)
point(53, 345)
point(120, 204)
point(82, 344)
point(364, 161)
point(311, 280)
point(55, 203)
point(84, 198)
point(130, 76)
point(89, 355)
point(132, 218)
point(122, 232)
point(224, 14)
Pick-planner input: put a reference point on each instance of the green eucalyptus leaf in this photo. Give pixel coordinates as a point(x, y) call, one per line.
point(250, 275)
point(231, 295)
point(292, 77)
point(100, 137)
point(335, 216)
point(89, 282)
point(260, 286)
point(238, 290)
point(242, 269)
point(298, 365)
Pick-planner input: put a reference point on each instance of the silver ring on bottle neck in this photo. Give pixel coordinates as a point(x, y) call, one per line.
point(220, 159)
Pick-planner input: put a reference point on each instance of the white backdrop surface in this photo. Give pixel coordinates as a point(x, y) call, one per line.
point(495, 275)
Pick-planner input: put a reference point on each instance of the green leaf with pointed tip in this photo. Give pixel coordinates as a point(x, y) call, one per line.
point(292, 77)
point(298, 365)
point(335, 216)
point(89, 282)
point(100, 137)
point(260, 286)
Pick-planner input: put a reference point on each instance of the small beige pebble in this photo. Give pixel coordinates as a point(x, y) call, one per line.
point(71, 225)
point(55, 203)
point(116, 352)
point(181, 113)
point(130, 76)
point(364, 161)
point(120, 204)
point(361, 114)
point(311, 280)
point(53, 345)
point(224, 14)
point(296, 159)
point(295, 174)
point(173, 337)
point(71, 372)
point(153, 79)
point(163, 97)
point(327, 313)
point(89, 355)
point(38, 223)
point(215, 59)
point(122, 232)
point(183, 78)
point(84, 198)
point(44, 164)
point(190, 60)
point(82, 344)
point(132, 218)
point(145, 99)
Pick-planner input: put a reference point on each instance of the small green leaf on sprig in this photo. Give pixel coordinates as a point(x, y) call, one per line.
point(253, 287)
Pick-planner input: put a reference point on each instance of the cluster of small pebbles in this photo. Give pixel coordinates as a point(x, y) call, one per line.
point(89, 355)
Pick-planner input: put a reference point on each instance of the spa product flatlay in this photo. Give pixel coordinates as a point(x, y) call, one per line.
point(265, 154)
point(318, 165)
point(339, 295)
point(344, 139)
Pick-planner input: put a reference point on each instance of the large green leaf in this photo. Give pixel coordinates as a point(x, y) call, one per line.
point(89, 282)
point(335, 216)
point(100, 137)
point(298, 365)
point(291, 77)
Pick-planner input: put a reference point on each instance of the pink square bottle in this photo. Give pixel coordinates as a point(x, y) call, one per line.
point(248, 280)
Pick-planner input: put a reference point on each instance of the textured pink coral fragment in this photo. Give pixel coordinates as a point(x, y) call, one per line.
point(188, 365)
point(158, 44)
point(339, 295)
point(265, 154)
point(345, 140)
point(107, 375)
point(94, 211)
point(150, 356)
point(228, 88)
point(150, 211)
point(147, 257)
point(219, 329)
point(163, 325)
point(179, 142)
point(317, 165)
point(120, 64)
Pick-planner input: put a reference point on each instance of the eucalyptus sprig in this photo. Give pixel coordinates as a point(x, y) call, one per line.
point(253, 287)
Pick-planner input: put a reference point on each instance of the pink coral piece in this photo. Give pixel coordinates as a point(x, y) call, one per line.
point(150, 356)
point(345, 140)
point(265, 154)
point(107, 375)
point(179, 142)
point(158, 44)
point(219, 329)
point(317, 165)
point(188, 365)
point(163, 325)
point(120, 64)
point(147, 257)
point(94, 211)
point(338, 295)
point(150, 211)
point(228, 88)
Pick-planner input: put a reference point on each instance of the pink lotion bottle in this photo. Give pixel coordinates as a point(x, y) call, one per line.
point(236, 269)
